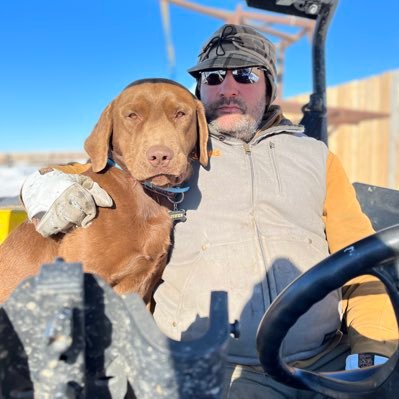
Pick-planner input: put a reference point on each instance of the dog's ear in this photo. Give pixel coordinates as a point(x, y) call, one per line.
point(97, 144)
point(202, 134)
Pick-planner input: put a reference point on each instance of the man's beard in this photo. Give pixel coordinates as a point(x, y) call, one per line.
point(243, 128)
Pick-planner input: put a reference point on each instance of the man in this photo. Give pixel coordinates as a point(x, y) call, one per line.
point(272, 203)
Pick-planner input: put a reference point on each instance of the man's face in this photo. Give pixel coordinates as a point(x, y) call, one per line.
point(235, 108)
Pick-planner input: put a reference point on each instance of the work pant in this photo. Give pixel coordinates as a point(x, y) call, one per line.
point(250, 382)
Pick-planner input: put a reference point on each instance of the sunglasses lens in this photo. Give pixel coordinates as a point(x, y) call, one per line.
point(245, 75)
point(240, 75)
point(213, 78)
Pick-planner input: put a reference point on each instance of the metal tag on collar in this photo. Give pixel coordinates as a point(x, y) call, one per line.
point(177, 215)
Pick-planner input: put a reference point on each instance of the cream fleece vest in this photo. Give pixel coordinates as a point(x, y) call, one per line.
point(254, 223)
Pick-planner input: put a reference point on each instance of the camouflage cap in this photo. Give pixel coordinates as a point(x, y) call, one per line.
point(238, 46)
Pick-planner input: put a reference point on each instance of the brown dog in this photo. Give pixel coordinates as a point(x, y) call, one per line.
point(151, 129)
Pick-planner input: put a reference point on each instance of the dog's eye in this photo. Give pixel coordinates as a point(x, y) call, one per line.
point(133, 115)
point(180, 114)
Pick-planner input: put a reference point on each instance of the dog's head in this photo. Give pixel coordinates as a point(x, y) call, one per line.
point(151, 129)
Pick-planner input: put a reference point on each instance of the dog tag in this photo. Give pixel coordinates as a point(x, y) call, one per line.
point(178, 215)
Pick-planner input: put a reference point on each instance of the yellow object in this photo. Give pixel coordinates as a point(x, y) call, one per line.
point(9, 220)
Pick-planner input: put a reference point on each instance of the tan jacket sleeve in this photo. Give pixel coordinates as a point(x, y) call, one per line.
point(368, 313)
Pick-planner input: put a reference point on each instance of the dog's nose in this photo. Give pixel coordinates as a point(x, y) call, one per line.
point(159, 155)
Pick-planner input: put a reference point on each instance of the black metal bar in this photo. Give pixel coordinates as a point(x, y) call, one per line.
point(315, 112)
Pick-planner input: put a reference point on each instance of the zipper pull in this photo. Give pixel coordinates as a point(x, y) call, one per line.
point(247, 148)
point(271, 145)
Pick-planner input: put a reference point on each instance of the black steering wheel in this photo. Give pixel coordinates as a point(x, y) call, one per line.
point(376, 255)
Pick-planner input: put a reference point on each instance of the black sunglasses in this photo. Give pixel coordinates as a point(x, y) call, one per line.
point(240, 75)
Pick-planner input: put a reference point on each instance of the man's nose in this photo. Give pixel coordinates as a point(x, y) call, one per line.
point(229, 87)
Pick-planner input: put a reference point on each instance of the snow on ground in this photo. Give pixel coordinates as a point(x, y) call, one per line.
point(11, 179)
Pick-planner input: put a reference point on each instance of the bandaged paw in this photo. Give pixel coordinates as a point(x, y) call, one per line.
point(57, 201)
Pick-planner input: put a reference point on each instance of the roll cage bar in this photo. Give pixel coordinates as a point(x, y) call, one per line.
point(315, 111)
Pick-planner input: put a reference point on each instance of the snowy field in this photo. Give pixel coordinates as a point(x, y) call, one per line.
point(11, 179)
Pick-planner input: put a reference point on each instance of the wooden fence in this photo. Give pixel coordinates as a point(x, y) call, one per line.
point(369, 150)
point(11, 159)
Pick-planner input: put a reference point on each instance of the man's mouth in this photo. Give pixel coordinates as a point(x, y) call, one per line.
point(230, 109)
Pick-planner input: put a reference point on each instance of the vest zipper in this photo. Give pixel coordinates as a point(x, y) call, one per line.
point(248, 152)
point(274, 163)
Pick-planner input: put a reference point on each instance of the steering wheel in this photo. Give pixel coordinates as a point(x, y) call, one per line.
point(375, 255)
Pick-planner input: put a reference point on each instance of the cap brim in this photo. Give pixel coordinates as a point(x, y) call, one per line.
point(229, 62)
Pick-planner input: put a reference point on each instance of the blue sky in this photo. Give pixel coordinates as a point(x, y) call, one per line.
point(63, 61)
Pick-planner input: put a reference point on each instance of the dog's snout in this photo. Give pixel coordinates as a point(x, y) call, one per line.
point(159, 155)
